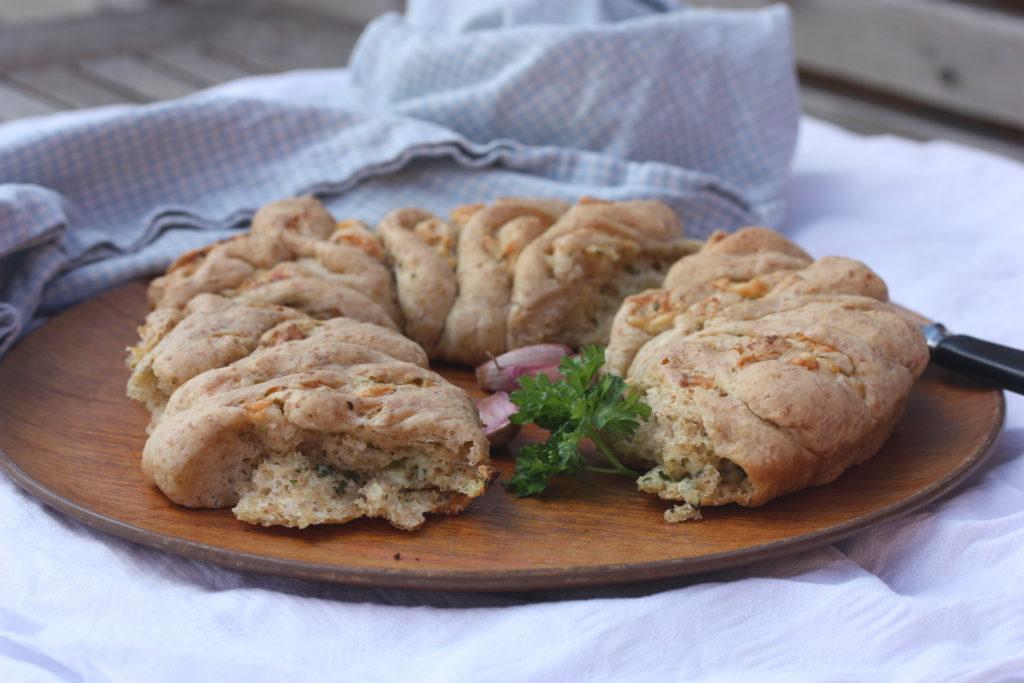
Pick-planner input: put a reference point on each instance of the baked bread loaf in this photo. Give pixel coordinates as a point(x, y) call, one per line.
point(280, 383)
point(390, 440)
point(766, 373)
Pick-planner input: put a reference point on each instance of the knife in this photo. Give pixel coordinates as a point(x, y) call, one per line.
point(998, 365)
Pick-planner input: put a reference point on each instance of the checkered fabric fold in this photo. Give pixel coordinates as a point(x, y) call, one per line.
point(453, 102)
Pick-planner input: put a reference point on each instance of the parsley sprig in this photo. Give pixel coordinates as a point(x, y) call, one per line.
point(583, 405)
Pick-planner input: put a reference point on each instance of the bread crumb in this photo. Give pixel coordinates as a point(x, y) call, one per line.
point(682, 513)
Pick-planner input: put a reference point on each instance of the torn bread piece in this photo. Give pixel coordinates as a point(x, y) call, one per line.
point(570, 281)
point(770, 397)
point(490, 241)
point(293, 238)
point(766, 372)
point(389, 440)
point(422, 250)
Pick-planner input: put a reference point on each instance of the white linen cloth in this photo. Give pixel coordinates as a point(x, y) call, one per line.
point(935, 596)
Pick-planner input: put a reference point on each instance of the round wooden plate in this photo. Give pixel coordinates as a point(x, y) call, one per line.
point(70, 437)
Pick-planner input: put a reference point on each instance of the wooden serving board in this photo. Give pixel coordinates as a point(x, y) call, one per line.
point(69, 436)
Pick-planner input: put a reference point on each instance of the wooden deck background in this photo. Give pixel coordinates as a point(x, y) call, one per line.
point(164, 51)
point(927, 69)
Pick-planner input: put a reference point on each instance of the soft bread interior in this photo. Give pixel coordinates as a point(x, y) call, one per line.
point(388, 440)
point(297, 490)
point(769, 397)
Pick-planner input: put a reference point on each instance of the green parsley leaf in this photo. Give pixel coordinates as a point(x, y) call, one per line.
point(584, 405)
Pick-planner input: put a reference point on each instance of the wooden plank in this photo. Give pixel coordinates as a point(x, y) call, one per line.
point(192, 61)
point(129, 74)
point(16, 103)
point(361, 12)
point(250, 63)
point(117, 31)
point(961, 57)
point(62, 84)
point(290, 41)
point(864, 115)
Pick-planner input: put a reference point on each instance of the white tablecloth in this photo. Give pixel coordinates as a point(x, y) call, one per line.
point(938, 595)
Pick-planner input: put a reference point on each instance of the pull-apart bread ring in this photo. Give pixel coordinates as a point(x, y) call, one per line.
point(280, 383)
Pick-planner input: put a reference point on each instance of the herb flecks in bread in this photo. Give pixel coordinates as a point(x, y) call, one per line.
point(570, 281)
point(280, 382)
point(766, 372)
point(409, 441)
point(273, 360)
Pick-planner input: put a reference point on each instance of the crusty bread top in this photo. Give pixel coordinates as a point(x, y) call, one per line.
point(749, 264)
point(422, 250)
point(793, 389)
point(301, 345)
point(570, 280)
point(368, 414)
point(290, 238)
point(490, 240)
point(210, 332)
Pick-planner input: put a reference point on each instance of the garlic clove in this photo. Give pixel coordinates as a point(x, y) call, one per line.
point(502, 373)
point(495, 413)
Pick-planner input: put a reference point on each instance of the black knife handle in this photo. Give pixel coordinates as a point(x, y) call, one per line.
point(1000, 365)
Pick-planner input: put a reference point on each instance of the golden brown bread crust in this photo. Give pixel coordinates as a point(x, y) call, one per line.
point(213, 331)
point(210, 332)
point(490, 241)
point(304, 216)
point(321, 297)
point(747, 264)
point(422, 249)
point(534, 271)
point(766, 372)
point(289, 239)
point(570, 281)
point(365, 420)
point(301, 345)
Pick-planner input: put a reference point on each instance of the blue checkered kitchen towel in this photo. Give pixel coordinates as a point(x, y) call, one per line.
point(453, 102)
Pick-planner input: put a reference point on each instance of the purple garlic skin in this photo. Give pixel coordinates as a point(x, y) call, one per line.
point(496, 411)
point(502, 373)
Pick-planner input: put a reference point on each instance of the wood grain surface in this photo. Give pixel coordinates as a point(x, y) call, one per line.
point(70, 437)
